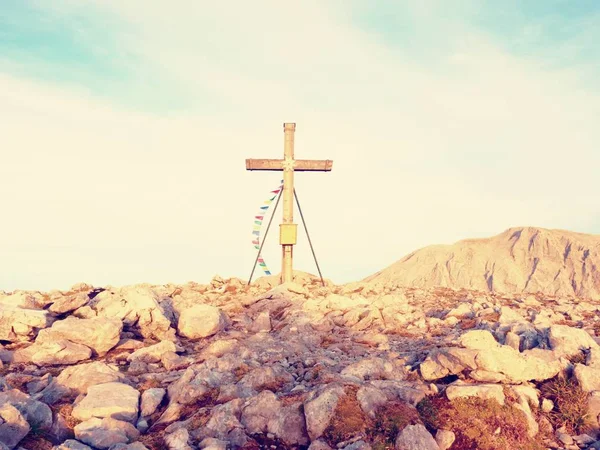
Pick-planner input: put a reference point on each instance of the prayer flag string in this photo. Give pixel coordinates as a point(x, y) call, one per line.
point(258, 219)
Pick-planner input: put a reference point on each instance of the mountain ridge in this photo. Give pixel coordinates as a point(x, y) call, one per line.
point(518, 260)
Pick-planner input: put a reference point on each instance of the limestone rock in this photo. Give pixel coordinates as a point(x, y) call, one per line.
point(483, 391)
point(463, 310)
point(415, 437)
point(269, 377)
point(447, 361)
point(13, 426)
point(213, 444)
point(72, 444)
point(79, 378)
point(587, 377)
point(116, 400)
point(69, 303)
point(445, 439)
point(36, 413)
point(201, 321)
point(358, 445)
point(104, 433)
point(495, 362)
point(371, 399)
point(178, 440)
point(151, 398)
point(259, 412)
point(136, 306)
point(51, 353)
point(372, 368)
point(319, 410)
point(319, 445)
point(19, 324)
point(547, 405)
point(290, 426)
point(567, 341)
point(262, 323)
point(99, 334)
point(153, 353)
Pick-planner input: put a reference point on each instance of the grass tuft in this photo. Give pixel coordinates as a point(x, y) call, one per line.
point(477, 423)
point(570, 404)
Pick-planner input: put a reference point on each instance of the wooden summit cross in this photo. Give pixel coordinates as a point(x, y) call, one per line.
point(289, 165)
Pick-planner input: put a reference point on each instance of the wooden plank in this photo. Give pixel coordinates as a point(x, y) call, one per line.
point(313, 165)
point(302, 165)
point(264, 164)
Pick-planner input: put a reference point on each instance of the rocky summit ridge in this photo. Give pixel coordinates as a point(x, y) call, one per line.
point(358, 366)
point(519, 260)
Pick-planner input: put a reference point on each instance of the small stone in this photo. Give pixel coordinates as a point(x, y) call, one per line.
point(513, 340)
point(72, 444)
point(584, 440)
point(142, 425)
point(178, 440)
point(213, 444)
point(153, 353)
point(416, 437)
point(564, 438)
point(547, 405)
point(445, 439)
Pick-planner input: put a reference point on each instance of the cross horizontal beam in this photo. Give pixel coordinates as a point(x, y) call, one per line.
point(300, 165)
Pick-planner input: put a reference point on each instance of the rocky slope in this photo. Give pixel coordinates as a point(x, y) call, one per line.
point(361, 366)
point(520, 260)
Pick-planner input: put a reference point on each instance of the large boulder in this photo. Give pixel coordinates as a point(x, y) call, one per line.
point(100, 334)
point(21, 324)
point(489, 361)
point(69, 303)
point(447, 361)
point(136, 306)
point(79, 378)
point(567, 341)
point(105, 433)
point(49, 353)
point(117, 400)
point(201, 321)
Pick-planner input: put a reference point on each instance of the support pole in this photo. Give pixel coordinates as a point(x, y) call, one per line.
point(308, 236)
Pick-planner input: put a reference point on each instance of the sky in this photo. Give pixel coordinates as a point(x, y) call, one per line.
point(124, 129)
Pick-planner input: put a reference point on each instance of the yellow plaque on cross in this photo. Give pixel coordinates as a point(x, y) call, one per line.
point(287, 233)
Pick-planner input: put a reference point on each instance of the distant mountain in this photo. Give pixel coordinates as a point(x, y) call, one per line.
point(519, 260)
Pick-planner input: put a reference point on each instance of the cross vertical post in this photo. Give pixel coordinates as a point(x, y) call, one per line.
point(288, 201)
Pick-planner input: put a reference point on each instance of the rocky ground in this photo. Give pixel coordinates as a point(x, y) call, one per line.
point(303, 365)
